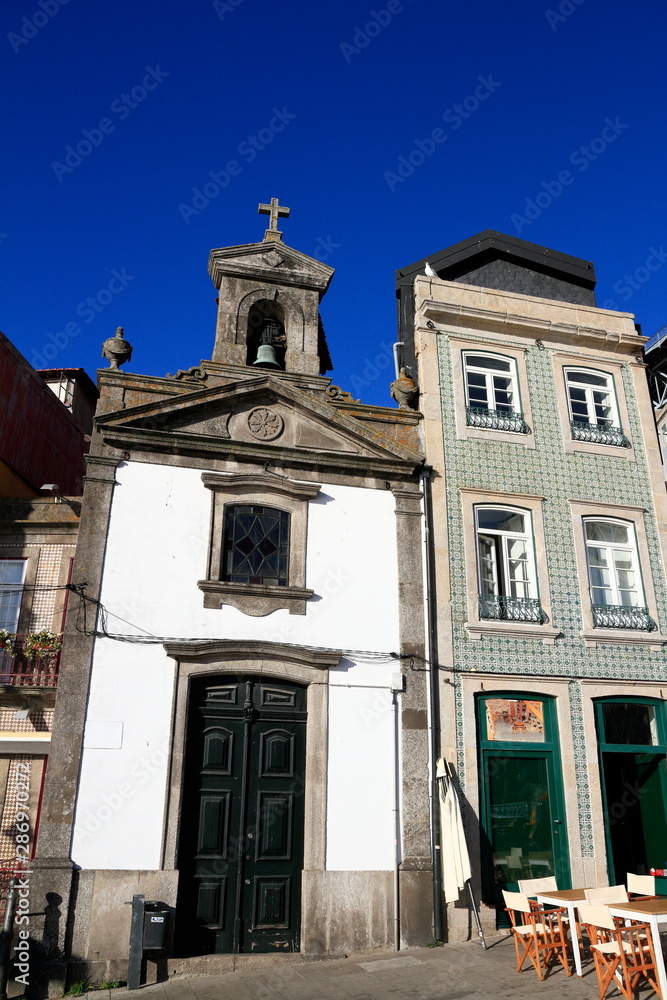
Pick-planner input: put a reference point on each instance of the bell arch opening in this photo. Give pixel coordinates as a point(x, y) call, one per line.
point(266, 339)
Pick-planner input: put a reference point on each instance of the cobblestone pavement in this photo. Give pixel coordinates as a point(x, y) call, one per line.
point(453, 972)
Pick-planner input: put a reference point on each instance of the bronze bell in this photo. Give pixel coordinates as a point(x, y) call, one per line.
point(266, 357)
point(266, 353)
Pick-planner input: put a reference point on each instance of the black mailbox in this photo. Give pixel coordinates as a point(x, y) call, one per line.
point(156, 920)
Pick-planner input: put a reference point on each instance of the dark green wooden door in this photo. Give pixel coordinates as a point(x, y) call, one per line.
point(523, 827)
point(241, 843)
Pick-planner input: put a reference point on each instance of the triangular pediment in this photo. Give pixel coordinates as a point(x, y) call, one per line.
point(274, 262)
point(258, 414)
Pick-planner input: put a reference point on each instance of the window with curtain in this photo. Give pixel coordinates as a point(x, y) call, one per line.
point(506, 565)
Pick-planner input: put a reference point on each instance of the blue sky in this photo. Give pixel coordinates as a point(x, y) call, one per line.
point(319, 105)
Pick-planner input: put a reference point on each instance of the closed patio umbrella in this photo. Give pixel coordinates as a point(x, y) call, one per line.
point(456, 871)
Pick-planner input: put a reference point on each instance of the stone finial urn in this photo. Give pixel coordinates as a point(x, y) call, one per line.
point(404, 390)
point(116, 349)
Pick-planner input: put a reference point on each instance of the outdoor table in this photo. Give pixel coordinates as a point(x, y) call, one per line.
point(648, 911)
point(569, 898)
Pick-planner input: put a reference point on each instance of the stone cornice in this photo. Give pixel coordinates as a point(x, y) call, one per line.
point(250, 649)
point(248, 261)
point(539, 318)
point(259, 483)
point(219, 372)
point(117, 428)
point(148, 441)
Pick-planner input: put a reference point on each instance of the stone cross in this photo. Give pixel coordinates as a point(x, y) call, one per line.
point(274, 211)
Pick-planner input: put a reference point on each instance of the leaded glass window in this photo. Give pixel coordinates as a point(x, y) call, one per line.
point(256, 544)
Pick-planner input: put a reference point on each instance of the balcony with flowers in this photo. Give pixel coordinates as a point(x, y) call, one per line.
point(30, 660)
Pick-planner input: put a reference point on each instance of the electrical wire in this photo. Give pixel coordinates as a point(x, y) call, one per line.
point(148, 639)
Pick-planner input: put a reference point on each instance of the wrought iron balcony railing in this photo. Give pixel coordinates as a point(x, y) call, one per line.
point(618, 616)
point(23, 666)
point(511, 609)
point(598, 434)
point(496, 420)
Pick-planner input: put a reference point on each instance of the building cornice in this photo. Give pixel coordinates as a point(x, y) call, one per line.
point(524, 316)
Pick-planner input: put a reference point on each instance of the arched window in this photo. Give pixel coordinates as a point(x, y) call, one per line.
point(492, 395)
point(591, 399)
point(506, 565)
point(255, 545)
point(614, 576)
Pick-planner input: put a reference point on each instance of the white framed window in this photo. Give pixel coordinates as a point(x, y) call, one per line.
point(618, 601)
point(492, 392)
point(12, 576)
point(507, 580)
point(591, 399)
point(614, 575)
point(506, 565)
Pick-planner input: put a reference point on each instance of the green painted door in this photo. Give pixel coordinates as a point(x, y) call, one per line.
point(633, 757)
point(241, 842)
point(522, 807)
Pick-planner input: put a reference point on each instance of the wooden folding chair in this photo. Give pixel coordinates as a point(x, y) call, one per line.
point(623, 955)
point(641, 886)
point(537, 934)
point(531, 886)
point(607, 896)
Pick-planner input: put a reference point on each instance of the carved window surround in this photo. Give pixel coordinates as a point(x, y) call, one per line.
point(273, 491)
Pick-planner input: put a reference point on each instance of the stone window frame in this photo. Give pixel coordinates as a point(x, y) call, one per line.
point(478, 627)
point(592, 635)
point(271, 491)
point(563, 360)
point(461, 345)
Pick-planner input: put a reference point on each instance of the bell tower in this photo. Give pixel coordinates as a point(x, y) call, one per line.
point(268, 304)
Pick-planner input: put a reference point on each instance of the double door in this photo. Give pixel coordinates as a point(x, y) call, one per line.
point(241, 840)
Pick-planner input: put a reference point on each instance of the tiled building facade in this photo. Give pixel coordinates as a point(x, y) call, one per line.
point(548, 506)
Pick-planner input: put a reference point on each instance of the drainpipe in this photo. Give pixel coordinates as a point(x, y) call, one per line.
point(433, 699)
point(399, 343)
point(396, 688)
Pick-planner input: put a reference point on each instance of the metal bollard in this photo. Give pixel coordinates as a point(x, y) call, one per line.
point(136, 944)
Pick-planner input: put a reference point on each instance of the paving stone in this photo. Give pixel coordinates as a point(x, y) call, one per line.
point(453, 972)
